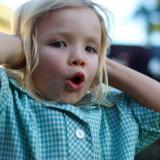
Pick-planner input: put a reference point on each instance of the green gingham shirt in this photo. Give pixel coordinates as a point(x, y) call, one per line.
point(31, 130)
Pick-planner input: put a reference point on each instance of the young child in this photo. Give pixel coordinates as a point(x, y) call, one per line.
point(52, 105)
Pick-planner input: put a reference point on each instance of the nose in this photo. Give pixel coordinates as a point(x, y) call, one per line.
point(77, 62)
point(77, 59)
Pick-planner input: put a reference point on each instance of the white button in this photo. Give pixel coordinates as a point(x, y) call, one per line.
point(80, 134)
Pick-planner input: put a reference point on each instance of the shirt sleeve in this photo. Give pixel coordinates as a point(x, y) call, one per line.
point(149, 125)
point(5, 92)
point(147, 119)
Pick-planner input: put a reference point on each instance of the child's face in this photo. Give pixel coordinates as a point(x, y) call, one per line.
point(69, 43)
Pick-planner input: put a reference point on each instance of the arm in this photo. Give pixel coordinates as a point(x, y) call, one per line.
point(10, 50)
point(142, 88)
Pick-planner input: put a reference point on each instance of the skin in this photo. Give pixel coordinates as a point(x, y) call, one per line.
point(12, 55)
point(69, 42)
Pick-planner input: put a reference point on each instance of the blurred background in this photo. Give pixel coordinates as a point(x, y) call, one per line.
point(135, 40)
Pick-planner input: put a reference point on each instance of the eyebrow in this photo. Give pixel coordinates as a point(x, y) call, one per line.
point(50, 34)
point(57, 31)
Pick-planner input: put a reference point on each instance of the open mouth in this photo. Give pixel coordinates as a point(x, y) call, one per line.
point(76, 81)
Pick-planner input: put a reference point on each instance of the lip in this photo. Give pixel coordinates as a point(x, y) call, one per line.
point(71, 86)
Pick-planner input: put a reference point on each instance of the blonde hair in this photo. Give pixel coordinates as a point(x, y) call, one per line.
point(27, 19)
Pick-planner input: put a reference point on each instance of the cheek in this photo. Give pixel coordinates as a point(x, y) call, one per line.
point(93, 68)
point(49, 61)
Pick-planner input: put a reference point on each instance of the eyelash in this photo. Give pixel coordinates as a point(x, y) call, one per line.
point(62, 44)
point(92, 50)
point(57, 43)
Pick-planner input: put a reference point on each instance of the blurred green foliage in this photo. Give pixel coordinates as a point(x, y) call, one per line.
point(151, 15)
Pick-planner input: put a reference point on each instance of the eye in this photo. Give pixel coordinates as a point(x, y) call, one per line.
point(91, 49)
point(58, 44)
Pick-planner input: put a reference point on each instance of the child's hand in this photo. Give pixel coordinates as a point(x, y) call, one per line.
point(11, 52)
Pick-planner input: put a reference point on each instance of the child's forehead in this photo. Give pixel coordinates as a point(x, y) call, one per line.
point(67, 11)
point(67, 18)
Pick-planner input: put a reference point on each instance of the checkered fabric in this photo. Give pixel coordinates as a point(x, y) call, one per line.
point(31, 130)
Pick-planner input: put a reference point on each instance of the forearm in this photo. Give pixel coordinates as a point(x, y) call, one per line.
point(10, 50)
point(142, 88)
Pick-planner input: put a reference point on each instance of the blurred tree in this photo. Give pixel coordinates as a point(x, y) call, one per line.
point(150, 12)
point(6, 15)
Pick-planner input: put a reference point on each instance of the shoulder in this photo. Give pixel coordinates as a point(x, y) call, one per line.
point(116, 98)
point(3, 76)
point(6, 97)
point(7, 82)
point(9, 90)
point(122, 99)
point(126, 106)
point(4, 82)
